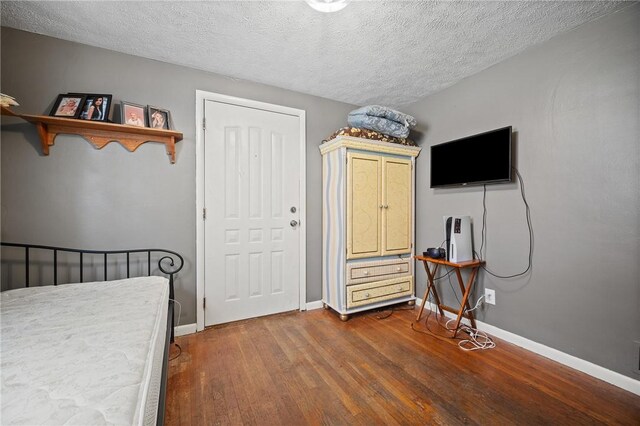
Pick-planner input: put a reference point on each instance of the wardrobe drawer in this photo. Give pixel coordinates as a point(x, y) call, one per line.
point(363, 272)
point(364, 294)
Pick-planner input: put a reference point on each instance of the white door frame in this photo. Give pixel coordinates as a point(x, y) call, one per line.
point(201, 97)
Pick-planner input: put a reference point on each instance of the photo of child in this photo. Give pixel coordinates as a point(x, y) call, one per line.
point(159, 118)
point(68, 106)
point(133, 115)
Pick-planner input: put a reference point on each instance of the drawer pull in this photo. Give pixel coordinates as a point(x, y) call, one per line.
point(398, 269)
point(365, 273)
point(400, 288)
point(366, 295)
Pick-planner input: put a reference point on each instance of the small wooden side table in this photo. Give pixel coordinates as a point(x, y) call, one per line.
point(466, 289)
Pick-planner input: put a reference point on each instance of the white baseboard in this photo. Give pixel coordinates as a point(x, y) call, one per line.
point(314, 305)
point(182, 330)
point(612, 377)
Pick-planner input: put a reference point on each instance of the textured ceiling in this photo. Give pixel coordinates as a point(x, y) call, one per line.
point(383, 52)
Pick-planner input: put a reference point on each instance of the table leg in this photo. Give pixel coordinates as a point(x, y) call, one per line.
point(424, 301)
point(426, 292)
point(430, 287)
point(472, 279)
point(463, 289)
point(465, 299)
point(432, 282)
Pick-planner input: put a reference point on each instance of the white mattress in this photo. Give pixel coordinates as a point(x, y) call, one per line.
point(83, 354)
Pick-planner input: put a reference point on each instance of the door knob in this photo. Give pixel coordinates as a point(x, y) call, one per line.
point(292, 209)
point(293, 223)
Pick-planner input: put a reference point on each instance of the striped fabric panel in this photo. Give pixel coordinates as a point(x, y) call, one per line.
point(333, 230)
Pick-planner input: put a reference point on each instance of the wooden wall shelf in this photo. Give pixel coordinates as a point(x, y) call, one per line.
point(99, 133)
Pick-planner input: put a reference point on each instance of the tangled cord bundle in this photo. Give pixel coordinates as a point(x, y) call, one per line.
point(477, 339)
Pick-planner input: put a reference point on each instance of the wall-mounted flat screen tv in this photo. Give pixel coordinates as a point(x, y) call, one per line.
point(475, 160)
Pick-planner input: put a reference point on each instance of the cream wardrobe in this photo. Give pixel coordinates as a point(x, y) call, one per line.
point(368, 224)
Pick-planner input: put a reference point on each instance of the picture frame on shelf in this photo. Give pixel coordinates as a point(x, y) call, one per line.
point(68, 105)
point(159, 118)
point(133, 114)
point(96, 106)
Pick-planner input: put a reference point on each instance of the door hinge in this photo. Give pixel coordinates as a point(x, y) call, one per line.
point(204, 302)
point(204, 213)
point(204, 123)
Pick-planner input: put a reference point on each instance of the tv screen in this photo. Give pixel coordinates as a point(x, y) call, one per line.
point(474, 160)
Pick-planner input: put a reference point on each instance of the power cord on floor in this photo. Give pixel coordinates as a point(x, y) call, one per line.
point(430, 332)
point(179, 352)
point(477, 340)
point(391, 311)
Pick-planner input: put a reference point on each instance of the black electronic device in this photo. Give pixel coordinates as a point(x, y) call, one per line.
point(480, 159)
point(435, 253)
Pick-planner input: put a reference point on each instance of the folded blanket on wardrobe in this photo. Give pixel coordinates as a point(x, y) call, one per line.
point(379, 124)
point(388, 113)
point(382, 119)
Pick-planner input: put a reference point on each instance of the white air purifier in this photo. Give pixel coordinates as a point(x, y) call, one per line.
point(457, 231)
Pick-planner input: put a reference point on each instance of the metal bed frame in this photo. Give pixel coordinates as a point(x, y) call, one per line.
point(169, 263)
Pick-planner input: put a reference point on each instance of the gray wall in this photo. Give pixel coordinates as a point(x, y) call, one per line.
point(574, 105)
point(81, 197)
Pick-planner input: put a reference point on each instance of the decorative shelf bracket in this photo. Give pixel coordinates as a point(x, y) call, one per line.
point(46, 138)
point(99, 133)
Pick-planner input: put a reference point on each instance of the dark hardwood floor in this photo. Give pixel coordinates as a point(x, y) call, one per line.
point(311, 368)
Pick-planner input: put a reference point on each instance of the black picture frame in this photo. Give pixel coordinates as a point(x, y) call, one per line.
point(101, 114)
point(61, 107)
point(133, 114)
point(159, 118)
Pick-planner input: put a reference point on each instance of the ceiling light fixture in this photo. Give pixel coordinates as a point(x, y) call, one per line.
point(327, 5)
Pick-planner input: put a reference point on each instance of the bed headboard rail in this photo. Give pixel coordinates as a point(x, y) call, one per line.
point(170, 262)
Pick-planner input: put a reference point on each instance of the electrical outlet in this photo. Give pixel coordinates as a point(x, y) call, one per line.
point(490, 296)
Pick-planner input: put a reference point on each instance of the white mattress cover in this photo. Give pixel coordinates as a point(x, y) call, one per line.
point(85, 354)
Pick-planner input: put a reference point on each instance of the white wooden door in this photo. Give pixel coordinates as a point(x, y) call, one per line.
point(251, 191)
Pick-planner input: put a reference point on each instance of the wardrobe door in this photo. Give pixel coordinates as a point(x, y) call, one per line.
point(397, 203)
point(364, 207)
